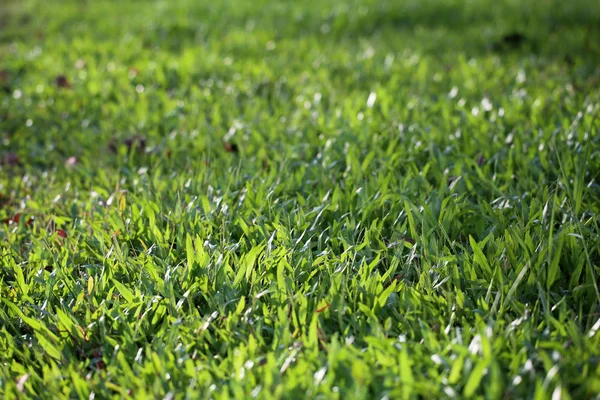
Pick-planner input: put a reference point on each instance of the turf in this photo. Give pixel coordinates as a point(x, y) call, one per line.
point(316, 199)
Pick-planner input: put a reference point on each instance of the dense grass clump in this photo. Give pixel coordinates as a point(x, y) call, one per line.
point(316, 199)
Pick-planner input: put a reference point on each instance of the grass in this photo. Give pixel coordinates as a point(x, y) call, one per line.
point(319, 199)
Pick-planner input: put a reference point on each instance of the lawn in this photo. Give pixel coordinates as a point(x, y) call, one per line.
point(317, 199)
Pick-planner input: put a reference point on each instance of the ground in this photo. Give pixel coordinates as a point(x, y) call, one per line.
point(316, 199)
